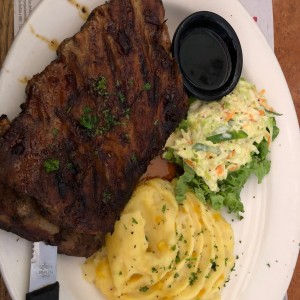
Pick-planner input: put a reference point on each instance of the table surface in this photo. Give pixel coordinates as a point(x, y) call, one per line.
point(286, 29)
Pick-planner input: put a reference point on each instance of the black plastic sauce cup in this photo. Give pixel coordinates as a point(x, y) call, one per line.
point(209, 55)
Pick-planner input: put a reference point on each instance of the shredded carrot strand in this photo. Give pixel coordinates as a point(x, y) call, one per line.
point(233, 168)
point(262, 92)
point(219, 169)
point(231, 154)
point(229, 115)
point(189, 162)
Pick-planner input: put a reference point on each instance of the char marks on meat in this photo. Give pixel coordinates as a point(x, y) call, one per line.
point(91, 123)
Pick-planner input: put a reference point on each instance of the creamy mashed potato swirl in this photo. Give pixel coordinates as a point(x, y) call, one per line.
point(163, 250)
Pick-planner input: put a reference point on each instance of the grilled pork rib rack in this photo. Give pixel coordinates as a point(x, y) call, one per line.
point(91, 123)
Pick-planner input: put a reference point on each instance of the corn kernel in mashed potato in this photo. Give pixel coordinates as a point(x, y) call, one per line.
point(163, 250)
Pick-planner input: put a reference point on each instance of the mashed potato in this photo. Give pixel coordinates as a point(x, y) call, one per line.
point(163, 250)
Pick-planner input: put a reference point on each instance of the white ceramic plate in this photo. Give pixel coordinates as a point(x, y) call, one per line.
point(267, 240)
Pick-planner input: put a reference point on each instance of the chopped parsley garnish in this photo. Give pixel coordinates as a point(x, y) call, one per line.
point(133, 158)
point(193, 278)
point(51, 165)
point(121, 97)
point(100, 86)
point(214, 265)
point(134, 221)
point(173, 248)
point(110, 121)
point(144, 289)
point(106, 196)
point(70, 166)
point(87, 119)
point(233, 268)
point(55, 131)
point(130, 83)
point(147, 86)
point(127, 112)
point(164, 208)
point(226, 259)
point(110, 118)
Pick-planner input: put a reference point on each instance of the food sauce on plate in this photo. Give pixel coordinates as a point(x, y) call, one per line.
point(82, 10)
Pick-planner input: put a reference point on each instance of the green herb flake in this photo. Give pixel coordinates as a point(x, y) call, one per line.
point(70, 166)
point(121, 97)
point(130, 83)
point(144, 289)
point(87, 119)
point(193, 278)
point(86, 110)
point(226, 260)
point(106, 196)
point(176, 275)
point(213, 265)
point(110, 118)
point(100, 86)
point(134, 221)
point(173, 248)
point(147, 86)
point(177, 258)
point(164, 208)
point(127, 112)
point(133, 158)
point(55, 132)
point(233, 268)
point(51, 165)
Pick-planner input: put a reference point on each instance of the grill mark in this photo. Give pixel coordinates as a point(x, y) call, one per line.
point(150, 18)
point(124, 42)
point(110, 55)
point(143, 67)
point(61, 185)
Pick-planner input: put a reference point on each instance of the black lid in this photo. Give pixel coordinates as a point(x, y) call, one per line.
point(209, 55)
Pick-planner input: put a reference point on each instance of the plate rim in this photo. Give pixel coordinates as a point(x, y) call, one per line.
point(258, 32)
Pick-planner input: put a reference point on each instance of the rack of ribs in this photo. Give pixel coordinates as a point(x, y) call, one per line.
point(91, 123)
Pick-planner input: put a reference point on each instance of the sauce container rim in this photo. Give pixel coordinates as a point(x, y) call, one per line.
point(210, 21)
